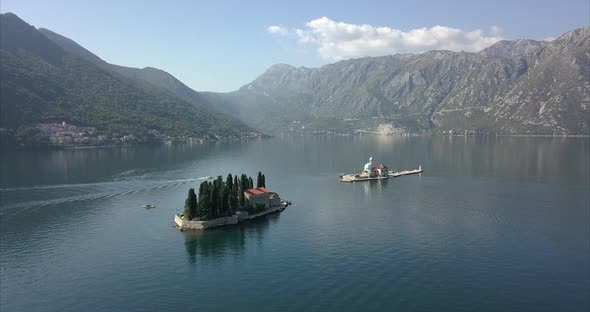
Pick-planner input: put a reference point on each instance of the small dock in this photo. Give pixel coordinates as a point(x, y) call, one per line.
point(405, 172)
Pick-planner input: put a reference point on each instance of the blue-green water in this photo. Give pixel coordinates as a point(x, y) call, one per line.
point(494, 224)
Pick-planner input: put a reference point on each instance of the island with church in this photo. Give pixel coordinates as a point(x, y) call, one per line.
point(372, 172)
point(221, 203)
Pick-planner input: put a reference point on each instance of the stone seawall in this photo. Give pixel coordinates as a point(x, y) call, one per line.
point(265, 212)
point(238, 217)
point(203, 225)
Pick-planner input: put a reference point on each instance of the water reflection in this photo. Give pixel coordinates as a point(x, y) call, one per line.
point(217, 244)
point(541, 158)
point(81, 165)
point(375, 186)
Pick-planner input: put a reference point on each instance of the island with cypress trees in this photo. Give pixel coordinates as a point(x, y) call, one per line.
point(228, 202)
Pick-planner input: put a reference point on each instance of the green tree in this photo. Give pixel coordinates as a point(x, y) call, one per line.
point(229, 183)
point(221, 201)
point(190, 205)
point(201, 187)
point(221, 209)
point(230, 204)
point(204, 202)
point(241, 189)
point(263, 181)
point(259, 179)
point(214, 200)
point(250, 182)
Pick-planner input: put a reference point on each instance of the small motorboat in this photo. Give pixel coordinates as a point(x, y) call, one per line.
point(148, 206)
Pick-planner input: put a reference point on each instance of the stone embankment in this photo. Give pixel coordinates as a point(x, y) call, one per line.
point(240, 216)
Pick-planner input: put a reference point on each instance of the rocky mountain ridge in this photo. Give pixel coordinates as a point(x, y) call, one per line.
point(511, 87)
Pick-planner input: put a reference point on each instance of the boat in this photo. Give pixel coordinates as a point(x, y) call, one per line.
point(376, 172)
point(148, 206)
point(284, 204)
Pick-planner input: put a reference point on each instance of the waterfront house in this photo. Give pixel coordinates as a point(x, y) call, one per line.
point(261, 196)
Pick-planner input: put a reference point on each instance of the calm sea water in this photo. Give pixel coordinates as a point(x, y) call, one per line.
point(494, 224)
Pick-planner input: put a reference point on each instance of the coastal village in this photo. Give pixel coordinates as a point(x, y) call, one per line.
point(66, 134)
point(222, 203)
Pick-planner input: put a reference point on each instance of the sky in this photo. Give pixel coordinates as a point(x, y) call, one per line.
point(222, 45)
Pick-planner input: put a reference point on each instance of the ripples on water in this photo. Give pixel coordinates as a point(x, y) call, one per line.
point(81, 192)
point(493, 225)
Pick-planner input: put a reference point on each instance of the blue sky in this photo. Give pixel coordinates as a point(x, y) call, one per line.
point(222, 45)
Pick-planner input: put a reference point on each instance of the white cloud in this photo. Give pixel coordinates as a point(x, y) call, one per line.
point(277, 30)
point(495, 30)
point(338, 40)
point(549, 39)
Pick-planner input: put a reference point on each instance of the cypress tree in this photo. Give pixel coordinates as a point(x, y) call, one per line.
point(211, 211)
point(214, 200)
point(241, 190)
point(230, 204)
point(221, 194)
point(229, 183)
point(222, 211)
point(190, 205)
point(259, 180)
point(204, 202)
point(263, 181)
point(250, 182)
point(200, 198)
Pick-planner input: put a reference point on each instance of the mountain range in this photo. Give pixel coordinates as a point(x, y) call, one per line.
point(511, 87)
point(47, 79)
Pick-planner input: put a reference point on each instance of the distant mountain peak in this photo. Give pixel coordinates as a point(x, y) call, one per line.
point(511, 48)
point(17, 35)
point(512, 87)
point(576, 34)
point(278, 68)
point(281, 66)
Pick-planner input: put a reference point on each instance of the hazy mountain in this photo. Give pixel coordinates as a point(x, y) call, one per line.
point(42, 83)
point(144, 77)
point(514, 87)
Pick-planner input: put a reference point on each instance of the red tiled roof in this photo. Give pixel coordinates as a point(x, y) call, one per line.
point(254, 191)
point(258, 191)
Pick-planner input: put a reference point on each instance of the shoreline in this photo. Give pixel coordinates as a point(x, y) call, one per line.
point(237, 218)
point(58, 147)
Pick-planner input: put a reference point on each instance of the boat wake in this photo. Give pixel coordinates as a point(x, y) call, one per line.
point(81, 192)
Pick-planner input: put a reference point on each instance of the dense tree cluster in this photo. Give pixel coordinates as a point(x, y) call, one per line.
point(219, 198)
